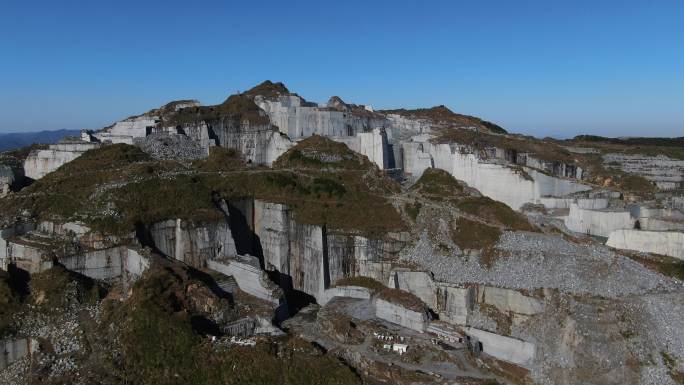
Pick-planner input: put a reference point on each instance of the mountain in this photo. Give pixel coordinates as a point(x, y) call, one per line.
point(14, 140)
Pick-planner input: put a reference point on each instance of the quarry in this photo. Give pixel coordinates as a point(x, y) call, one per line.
point(272, 237)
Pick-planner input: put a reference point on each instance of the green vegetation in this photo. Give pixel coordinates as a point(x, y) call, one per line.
point(495, 212)
point(268, 89)
point(52, 289)
point(671, 147)
point(671, 365)
point(369, 283)
point(160, 345)
point(437, 184)
point(413, 209)
point(234, 110)
point(134, 190)
point(220, 159)
point(665, 265)
point(9, 302)
point(472, 235)
point(317, 152)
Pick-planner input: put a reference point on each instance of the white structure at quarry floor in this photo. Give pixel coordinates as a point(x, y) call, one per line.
point(504, 348)
point(598, 222)
point(670, 243)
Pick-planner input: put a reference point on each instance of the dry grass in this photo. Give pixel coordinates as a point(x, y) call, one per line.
point(441, 114)
point(402, 298)
point(472, 235)
point(369, 283)
point(495, 212)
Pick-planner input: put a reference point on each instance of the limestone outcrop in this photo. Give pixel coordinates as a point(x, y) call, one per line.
point(193, 243)
point(670, 243)
point(401, 315)
point(598, 222)
point(504, 348)
point(249, 277)
point(41, 162)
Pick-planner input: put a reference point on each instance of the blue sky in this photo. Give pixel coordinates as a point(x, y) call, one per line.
point(544, 68)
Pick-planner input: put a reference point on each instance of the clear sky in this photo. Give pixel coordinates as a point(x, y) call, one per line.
point(546, 68)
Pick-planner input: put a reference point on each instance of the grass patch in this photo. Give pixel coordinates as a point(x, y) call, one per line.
point(495, 212)
point(443, 114)
point(437, 184)
point(413, 209)
point(220, 159)
point(160, 346)
point(472, 235)
point(318, 152)
point(402, 298)
point(235, 110)
point(667, 266)
point(369, 283)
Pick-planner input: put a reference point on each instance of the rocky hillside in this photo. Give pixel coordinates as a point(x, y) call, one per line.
point(270, 239)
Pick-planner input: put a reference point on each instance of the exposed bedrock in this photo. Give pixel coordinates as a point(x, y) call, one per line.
point(11, 179)
point(670, 243)
point(14, 349)
point(357, 292)
point(523, 184)
point(309, 258)
point(192, 243)
point(259, 143)
point(504, 348)
point(122, 262)
point(666, 173)
point(598, 222)
point(249, 277)
point(298, 118)
point(401, 315)
point(41, 162)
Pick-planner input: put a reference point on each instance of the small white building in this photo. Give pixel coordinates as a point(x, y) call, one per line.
point(399, 348)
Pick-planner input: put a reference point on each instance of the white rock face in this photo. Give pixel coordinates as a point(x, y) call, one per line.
point(665, 172)
point(108, 264)
point(7, 179)
point(126, 130)
point(249, 277)
point(299, 119)
point(454, 303)
point(522, 185)
point(26, 256)
point(597, 222)
point(344, 291)
point(13, 349)
point(418, 283)
point(5, 235)
point(41, 162)
point(505, 348)
point(372, 144)
point(670, 243)
point(508, 300)
point(400, 315)
point(313, 257)
point(583, 203)
point(193, 244)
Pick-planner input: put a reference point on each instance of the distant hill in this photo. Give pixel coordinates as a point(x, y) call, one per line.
point(20, 139)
